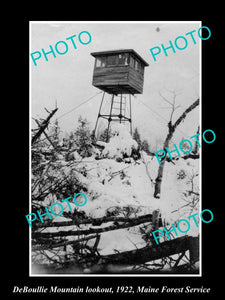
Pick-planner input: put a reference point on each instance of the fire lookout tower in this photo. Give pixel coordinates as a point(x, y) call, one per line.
point(118, 73)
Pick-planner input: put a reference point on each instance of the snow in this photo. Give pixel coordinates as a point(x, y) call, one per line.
point(172, 196)
point(118, 184)
point(120, 240)
point(113, 184)
point(120, 143)
point(127, 189)
point(77, 156)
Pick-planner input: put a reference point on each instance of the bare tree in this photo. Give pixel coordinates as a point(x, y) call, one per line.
point(171, 130)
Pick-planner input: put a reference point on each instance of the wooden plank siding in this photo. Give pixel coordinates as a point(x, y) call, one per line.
point(110, 75)
point(118, 79)
point(136, 79)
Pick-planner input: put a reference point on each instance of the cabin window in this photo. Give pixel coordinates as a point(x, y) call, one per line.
point(141, 69)
point(123, 59)
point(100, 62)
point(136, 64)
point(111, 60)
point(131, 62)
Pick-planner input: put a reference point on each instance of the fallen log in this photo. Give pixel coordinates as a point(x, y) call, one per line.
point(129, 223)
point(92, 221)
point(153, 252)
point(56, 244)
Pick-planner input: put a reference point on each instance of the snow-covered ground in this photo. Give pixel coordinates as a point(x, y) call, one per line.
point(114, 185)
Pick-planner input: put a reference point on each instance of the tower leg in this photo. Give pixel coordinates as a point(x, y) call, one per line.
point(130, 115)
point(110, 117)
point(121, 102)
point(99, 114)
point(117, 113)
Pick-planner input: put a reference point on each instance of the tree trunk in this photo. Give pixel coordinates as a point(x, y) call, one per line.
point(42, 126)
point(158, 180)
point(172, 128)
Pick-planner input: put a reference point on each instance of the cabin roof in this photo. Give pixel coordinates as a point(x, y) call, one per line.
point(101, 53)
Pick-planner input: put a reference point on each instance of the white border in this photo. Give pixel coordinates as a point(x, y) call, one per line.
point(200, 173)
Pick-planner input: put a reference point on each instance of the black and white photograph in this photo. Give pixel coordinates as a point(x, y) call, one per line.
point(115, 148)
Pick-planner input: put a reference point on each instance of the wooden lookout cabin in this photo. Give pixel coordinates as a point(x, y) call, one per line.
point(119, 71)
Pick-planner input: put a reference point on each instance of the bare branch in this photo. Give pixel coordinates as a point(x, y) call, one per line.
point(43, 125)
point(183, 116)
point(165, 99)
point(172, 104)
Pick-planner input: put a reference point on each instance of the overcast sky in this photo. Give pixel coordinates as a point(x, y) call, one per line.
point(68, 78)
